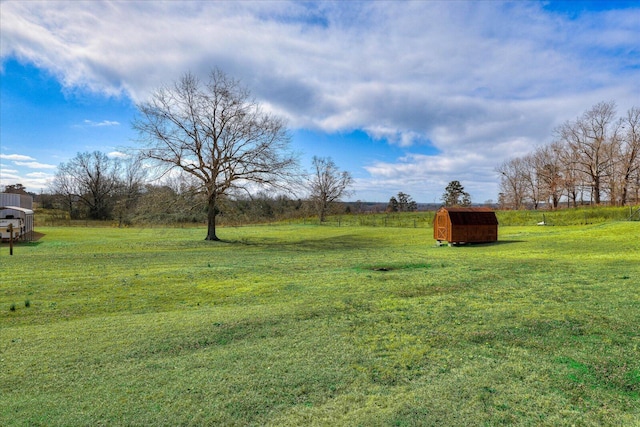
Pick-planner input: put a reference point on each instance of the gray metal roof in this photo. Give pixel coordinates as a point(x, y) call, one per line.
point(16, 208)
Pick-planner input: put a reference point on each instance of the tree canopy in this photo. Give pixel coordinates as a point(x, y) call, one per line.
point(594, 158)
point(327, 184)
point(455, 195)
point(402, 203)
point(217, 133)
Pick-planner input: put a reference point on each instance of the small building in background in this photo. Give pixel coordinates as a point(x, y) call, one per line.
point(19, 200)
point(17, 210)
point(465, 225)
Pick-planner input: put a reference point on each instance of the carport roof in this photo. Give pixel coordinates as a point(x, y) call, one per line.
point(17, 208)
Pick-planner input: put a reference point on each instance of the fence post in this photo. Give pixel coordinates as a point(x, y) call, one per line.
point(10, 239)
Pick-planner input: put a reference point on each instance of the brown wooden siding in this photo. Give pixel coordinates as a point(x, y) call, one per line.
point(465, 225)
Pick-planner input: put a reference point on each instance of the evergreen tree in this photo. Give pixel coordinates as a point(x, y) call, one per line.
point(455, 195)
point(393, 205)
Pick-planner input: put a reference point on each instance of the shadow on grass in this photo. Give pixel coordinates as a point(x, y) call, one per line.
point(497, 243)
point(342, 242)
point(34, 240)
point(504, 242)
point(20, 244)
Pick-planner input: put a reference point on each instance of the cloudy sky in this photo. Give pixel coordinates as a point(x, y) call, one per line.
point(407, 96)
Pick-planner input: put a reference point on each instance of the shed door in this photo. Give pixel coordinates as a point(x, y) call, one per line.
point(442, 227)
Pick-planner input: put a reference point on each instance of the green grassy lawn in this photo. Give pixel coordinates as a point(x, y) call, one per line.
point(308, 325)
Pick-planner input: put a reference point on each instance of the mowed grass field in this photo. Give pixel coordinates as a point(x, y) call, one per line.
point(314, 325)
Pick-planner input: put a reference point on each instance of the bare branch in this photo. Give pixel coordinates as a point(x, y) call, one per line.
point(217, 133)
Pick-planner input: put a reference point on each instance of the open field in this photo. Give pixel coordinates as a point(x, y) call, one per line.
point(307, 325)
point(585, 215)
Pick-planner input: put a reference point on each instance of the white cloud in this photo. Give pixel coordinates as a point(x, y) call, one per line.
point(18, 173)
point(481, 81)
point(19, 157)
point(118, 155)
point(101, 124)
point(39, 175)
point(35, 165)
point(9, 175)
point(33, 181)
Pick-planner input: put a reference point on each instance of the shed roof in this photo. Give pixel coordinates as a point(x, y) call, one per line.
point(16, 208)
point(471, 216)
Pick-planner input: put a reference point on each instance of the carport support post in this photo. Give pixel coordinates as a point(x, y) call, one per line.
point(10, 229)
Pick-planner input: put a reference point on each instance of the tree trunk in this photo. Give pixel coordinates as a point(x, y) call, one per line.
point(625, 187)
point(596, 189)
point(625, 191)
point(212, 211)
point(322, 210)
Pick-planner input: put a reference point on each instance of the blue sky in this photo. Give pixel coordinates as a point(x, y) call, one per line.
point(407, 96)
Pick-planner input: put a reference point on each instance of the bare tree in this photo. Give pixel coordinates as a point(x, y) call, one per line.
point(64, 191)
point(531, 179)
point(216, 132)
point(635, 187)
point(548, 165)
point(572, 179)
point(594, 155)
point(589, 137)
point(327, 184)
point(130, 185)
point(629, 160)
point(512, 184)
point(91, 179)
point(175, 201)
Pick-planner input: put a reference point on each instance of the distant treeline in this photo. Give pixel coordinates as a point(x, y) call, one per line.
point(262, 212)
point(594, 159)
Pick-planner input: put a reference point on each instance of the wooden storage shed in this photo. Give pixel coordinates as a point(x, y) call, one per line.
point(465, 225)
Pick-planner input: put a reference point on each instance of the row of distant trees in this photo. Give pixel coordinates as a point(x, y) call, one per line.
point(129, 199)
point(593, 159)
point(454, 195)
point(212, 146)
point(94, 185)
point(402, 203)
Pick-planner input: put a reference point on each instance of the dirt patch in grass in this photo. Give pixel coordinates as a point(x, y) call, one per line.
point(389, 267)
